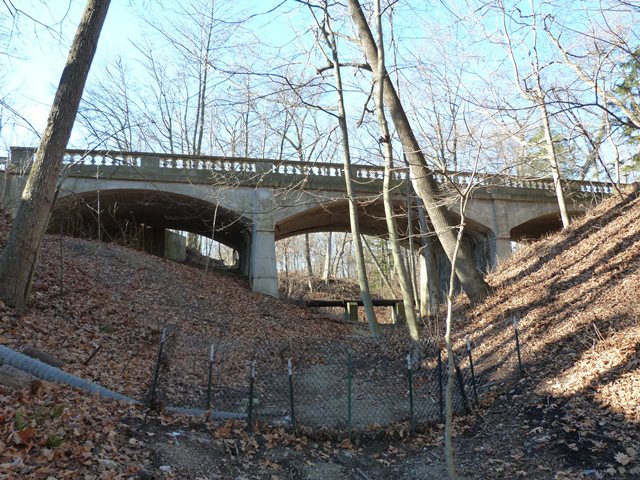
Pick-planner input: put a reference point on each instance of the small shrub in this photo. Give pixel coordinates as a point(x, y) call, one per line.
point(20, 421)
point(54, 441)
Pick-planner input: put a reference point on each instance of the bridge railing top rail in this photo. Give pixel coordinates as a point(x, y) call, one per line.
point(257, 168)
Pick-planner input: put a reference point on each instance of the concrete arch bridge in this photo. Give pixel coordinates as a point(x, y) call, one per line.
point(249, 204)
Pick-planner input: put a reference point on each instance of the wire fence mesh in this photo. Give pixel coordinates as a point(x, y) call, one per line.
point(341, 389)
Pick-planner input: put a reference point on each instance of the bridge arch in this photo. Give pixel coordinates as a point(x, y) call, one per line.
point(537, 226)
point(124, 210)
point(334, 216)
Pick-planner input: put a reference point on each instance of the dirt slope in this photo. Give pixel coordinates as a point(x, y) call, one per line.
point(576, 296)
point(576, 413)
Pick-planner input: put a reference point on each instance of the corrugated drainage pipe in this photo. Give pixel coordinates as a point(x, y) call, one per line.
point(50, 373)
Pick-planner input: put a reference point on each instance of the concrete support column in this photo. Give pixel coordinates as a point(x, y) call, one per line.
point(175, 246)
point(15, 178)
point(263, 271)
point(502, 248)
point(244, 255)
point(500, 241)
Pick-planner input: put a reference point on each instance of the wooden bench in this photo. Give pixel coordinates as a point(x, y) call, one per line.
point(351, 307)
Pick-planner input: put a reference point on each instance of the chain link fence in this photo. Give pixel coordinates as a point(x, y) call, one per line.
point(341, 390)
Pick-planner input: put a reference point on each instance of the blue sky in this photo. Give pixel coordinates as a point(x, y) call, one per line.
point(39, 54)
point(426, 31)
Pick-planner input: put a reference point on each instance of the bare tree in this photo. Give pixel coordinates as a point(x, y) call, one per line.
point(531, 88)
point(324, 25)
point(379, 71)
point(18, 263)
point(421, 175)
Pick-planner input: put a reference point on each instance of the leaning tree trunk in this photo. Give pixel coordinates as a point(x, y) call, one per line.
point(425, 185)
point(392, 228)
point(18, 263)
point(553, 159)
point(363, 281)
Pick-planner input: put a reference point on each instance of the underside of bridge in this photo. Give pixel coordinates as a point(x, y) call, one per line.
point(125, 214)
point(143, 215)
point(538, 227)
point(334, 216)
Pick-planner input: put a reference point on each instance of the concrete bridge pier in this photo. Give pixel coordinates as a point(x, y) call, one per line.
point(502, 248)
point(500, 238)
point(12, 184)
point(263, 273)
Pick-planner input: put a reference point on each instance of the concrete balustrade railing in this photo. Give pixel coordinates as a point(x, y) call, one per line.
point(255, 170)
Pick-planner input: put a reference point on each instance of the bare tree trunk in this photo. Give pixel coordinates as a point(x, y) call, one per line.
point(448, 427)
point(327, 261)
point(429, 255)
point(425, 185)
point(539, 100)
point(363, 281)
point(340, 256)
point(287, 283)
point(449, 451)
point(193, 242)
point(387, 150)
point(553, 159)
point(307, 257)
point(19, 261)
point(411, 252)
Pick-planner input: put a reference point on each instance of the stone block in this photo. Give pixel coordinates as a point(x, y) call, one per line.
point(42, 356)
point(14, 377)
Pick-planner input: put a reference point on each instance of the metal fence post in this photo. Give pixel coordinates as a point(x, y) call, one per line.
point(349, 380)
point(252, 376)
point(293, 415)
point(473, 375)
point(515, 329)
point(440, 386)
point(410, 378)
point(460, 379)
point(156, 373)
point(211, 354)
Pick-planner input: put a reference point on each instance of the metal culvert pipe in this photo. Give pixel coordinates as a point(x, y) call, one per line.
point(50, 373)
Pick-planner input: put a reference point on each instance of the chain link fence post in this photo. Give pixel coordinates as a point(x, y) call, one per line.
point(410, 379)
point(460, 378)
point(209, 377)
point(517, 336)
point(252, 377)
point(293, 415)
point(473, 375)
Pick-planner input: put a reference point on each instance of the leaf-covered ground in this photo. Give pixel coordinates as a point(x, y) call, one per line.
point(100, 309)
